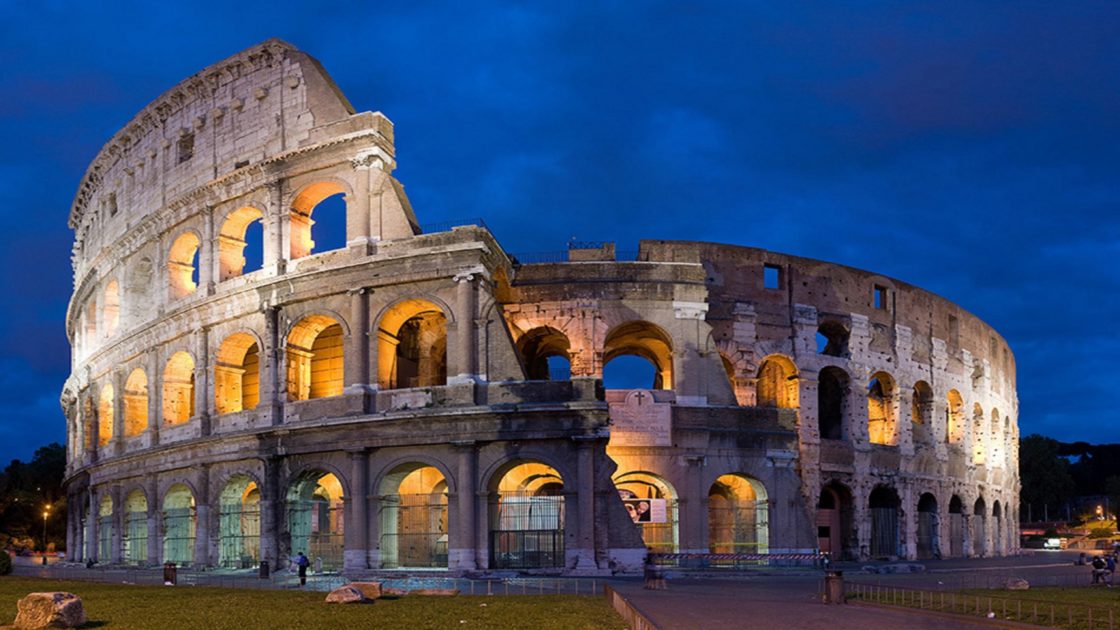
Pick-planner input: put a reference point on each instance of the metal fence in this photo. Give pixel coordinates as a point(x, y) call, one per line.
point(1053, 614)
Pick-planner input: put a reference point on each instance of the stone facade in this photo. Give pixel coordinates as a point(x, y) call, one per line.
point(424, 399)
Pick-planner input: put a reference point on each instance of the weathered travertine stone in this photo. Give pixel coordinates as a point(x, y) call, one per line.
point(371, 590)
point(50, 610)
point(347, 595)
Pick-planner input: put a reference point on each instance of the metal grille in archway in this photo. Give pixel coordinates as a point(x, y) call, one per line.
point(414, 530)
point(734, 526)
point(527, 531)
point(178, 535)
point(135, 537)
point(956, 535)
point(239, 535)
point(979, 541)
point(317, 529)
point(884, 532)
point(927, 535)
point(105, 538)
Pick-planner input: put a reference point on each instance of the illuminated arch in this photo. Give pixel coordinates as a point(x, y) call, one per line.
point(105, 408)
point(646, 340)
point(778, 383)
point(237, 376)
point(315, 351)
point(881, 421)
point(921, 413)
point(414, 517)
point(232, 241)
point(179, 524)
point(178, 389)
point(527, 517)
point(303, 205)
point(412, 345)
point(540, 349)
point(136, 403)
point(135, 535)
point(315, 518)
point(738, 515)
point(659, 526)
point(182, 265)
point(954, 414)
point(239, 523)
point(105, 528)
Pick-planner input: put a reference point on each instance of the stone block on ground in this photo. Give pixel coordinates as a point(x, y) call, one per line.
point(347, 595)
point(50, 610)
point(1017, 584)
point(372, 590)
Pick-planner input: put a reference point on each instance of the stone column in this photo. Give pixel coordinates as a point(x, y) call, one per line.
point(207, 267)
point(202, 518)
point(861, 521)
point(462, 537)
point(155, 395)
point(276, 224)
point(356, 371)
point(116, 446)
point(202, 394)
point(856, 412)
point(585, 498)
point(70, 519)
point(356, 543)
point(272, 392)
point(463, 362)
point(270, 512)
point(94, 427)
point(91, 525)
point(909, 529)
point(118, 525)
point(155, 516)
point(358, 205)
point(692, 509)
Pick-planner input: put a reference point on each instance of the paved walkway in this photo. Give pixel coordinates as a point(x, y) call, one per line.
point(760, 602)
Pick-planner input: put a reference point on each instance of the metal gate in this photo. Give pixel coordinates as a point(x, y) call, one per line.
point(317, 529)
point(526, 531)
point(956, 535)
point(737, 526)
point(105, 539)
point(135, 537)
point(178, 535)
point(239, 535)
point(927, 535)
point(884, 532)
point(979, 541)
point(414, 531)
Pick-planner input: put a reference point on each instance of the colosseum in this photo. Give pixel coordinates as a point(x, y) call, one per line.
point(418, 398)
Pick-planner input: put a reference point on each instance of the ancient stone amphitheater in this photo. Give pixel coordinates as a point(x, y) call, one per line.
point(420, 398)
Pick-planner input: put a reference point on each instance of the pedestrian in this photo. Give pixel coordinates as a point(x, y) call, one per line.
point(1109, 569)
point(1098, 569)
point(302, 562)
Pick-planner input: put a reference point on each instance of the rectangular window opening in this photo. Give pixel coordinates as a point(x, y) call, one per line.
point(186, 147)
point(772, 277)
point(954, 331)
point(880, 297)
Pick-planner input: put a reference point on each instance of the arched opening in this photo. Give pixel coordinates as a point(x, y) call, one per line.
point(835, 534)
point(315, 519)
point(995, 440)
point(832, 339)
point(738, 516)
point(105, 529)
point(884, 509)
point(928, 541)
point(545, 353)
point(239, 523)
point(954, 417)
point(980, 528)
point(315, 355)
point(111, 308)
point(881, 423)
point(182, 265)
point(105, 415)
point(644, 340)
point(136, 403)
point(179, 525)
point(136, 528)
point(832, 392)
point(527, 518)
point(777, 383)
point(997, 528)
point(956, 527)
point(414, 518)
point(327, 231)
point(90, 329)
point(178, 389)
point(979, 449)
point(652, 504)
point(921, 413)
point(412, 346)
point(237, 376)
point(233, 239)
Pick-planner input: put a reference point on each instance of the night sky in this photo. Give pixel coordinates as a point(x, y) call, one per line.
point(972, 148)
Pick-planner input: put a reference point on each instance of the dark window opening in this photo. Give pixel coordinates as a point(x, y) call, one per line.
point(186, 147)
point(954, 331)
point(831, 390)
point(880, 297)
point(772, 276)
point(832, 339)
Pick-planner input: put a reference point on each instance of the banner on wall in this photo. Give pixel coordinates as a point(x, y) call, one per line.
point(645, 510)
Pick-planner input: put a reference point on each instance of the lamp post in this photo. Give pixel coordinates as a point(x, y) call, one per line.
point(46, 513)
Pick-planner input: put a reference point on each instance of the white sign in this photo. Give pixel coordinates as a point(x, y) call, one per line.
point(639, 421)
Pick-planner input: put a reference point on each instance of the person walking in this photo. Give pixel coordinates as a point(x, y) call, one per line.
point(1109, 569)
point(302, 562)
point(1098, 570)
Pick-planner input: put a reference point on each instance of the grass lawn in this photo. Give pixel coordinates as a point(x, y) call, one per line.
point(167, 607)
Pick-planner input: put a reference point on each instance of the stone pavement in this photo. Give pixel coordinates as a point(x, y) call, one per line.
point(765, 603)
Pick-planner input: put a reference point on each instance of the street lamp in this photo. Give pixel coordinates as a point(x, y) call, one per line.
point(46, 513)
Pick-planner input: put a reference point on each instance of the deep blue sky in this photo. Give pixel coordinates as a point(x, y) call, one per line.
point(970, 148)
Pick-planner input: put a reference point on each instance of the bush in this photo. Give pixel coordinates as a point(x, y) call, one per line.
point(5, 563)
point(1100, 532)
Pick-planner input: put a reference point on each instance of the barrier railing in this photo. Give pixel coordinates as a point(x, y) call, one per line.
point(633, 618)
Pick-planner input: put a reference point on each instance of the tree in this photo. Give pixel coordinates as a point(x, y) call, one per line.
point(1044, 474)
point(25, 488)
